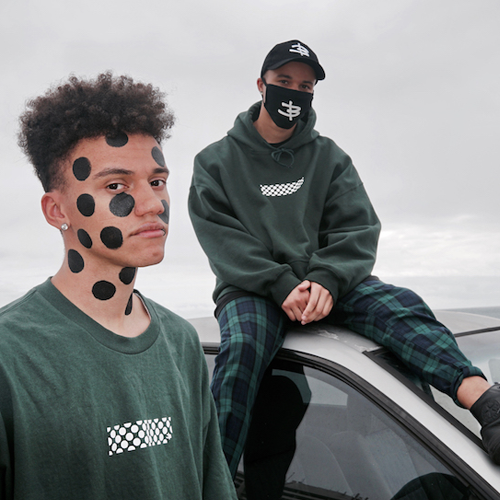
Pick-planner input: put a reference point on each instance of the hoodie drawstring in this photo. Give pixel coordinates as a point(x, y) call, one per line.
point(286, 161)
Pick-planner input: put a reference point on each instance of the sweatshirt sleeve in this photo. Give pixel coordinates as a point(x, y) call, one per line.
point(245, 263)
point(348, 235)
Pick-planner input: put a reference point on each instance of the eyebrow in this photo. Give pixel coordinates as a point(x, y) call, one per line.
point(123, 171)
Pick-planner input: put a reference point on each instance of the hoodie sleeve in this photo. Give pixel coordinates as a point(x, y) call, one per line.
point(245, 263)
point(348, 235)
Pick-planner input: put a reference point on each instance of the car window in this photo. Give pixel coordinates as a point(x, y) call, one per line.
point(315, 437)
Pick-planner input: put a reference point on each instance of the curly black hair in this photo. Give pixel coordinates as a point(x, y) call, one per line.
point(54, 123)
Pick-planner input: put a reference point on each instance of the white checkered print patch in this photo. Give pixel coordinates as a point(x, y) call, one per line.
point(141, 434)
point(281, 189)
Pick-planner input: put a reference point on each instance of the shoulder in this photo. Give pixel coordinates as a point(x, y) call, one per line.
point(174, 326)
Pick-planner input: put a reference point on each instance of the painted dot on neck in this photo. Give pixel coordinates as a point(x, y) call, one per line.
point(103, 290)
point(84, 238)
point(165, 216)
point(75, 261)
point(86, 205)
point(81, 168)
point(122, 204)
point(158, 156)
point(130, 302)
point(112, 237)
point(127, 275)
point(117, 139)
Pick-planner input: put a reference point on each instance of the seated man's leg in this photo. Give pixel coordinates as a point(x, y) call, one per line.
point(252, 331)
point(399, 319)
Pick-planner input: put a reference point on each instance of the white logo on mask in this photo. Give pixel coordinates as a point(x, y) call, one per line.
point(299, 49)
point(291, 112)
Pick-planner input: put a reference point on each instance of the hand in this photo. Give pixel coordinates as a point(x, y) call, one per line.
point(319, 305)
point(296, 302)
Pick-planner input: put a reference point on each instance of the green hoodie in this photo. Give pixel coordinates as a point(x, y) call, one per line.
point(270, 217)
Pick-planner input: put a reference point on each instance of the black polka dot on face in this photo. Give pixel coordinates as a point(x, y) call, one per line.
point(103, 290)
point(84, 238)
point(121, 205)
point(112, 237)
point(86, 205)
point(81, 168)
point(127, 275)
point(158, 156)
point(75, 261)
point(117, 140)
point(128, 309)
point(165, 216)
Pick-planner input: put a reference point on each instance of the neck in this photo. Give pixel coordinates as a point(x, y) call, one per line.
point(105, 293)
point(269, 131)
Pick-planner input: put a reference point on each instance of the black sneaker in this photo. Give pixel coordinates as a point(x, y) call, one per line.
point(487, 412)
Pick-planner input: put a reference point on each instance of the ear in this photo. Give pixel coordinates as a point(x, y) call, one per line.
point(52, 209)
point(261, 86)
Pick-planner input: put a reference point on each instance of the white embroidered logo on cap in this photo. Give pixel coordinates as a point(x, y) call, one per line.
point(291, 112)
point(299, 49)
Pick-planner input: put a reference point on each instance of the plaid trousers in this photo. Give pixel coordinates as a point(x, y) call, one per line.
point(253, 329)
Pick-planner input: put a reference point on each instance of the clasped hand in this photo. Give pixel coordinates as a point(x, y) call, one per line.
point(308, 302)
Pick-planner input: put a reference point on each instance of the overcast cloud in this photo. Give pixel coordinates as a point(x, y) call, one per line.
point(411, 94)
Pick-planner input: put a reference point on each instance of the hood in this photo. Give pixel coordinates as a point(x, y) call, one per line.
point(244, 131)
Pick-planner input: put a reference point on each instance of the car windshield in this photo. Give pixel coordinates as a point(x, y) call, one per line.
point(482, 348)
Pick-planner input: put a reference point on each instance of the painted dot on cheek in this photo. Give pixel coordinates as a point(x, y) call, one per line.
point(127, 275)
point(165, 216)
point(117, 140)
point(103, 290)
point(158, 156)
point(84, 238)
point(86, 205)
point(121, 205)
point(128, 309)
point(112, 237)
point(81, 168)
point(75, 261)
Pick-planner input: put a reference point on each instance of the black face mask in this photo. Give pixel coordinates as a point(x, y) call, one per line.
point(286, 106)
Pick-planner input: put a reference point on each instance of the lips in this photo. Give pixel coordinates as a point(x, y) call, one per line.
point(150, 230)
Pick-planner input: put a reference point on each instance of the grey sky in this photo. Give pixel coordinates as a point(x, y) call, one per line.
point(411, 94)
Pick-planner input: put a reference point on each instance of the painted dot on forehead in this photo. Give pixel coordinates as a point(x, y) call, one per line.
point(81, 168)
point(103, 290)
point(117, 140)
point(158, 156)
point(128, 309)
point(75, 261)
point(84, 238)
point(165, 216)
point(127, 275)
point(86, 205)
point(122, 204)
point(112, 237)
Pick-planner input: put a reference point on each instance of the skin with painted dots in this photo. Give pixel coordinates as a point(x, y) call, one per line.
point(81, 168)
point(88, 169)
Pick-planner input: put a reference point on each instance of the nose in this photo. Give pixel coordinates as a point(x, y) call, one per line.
point(147, 201)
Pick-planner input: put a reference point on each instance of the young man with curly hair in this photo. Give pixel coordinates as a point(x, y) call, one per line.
point(291, 235)
point(103, 393)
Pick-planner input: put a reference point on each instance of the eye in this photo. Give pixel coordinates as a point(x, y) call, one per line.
point(114, 186)
point(158, 182)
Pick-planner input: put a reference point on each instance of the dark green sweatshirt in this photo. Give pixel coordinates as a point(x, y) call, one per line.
point(270, 217)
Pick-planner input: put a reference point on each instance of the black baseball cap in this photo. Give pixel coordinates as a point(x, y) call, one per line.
point(293, 50)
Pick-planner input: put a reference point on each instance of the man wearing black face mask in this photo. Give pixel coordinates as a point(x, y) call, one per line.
point(291, 235)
